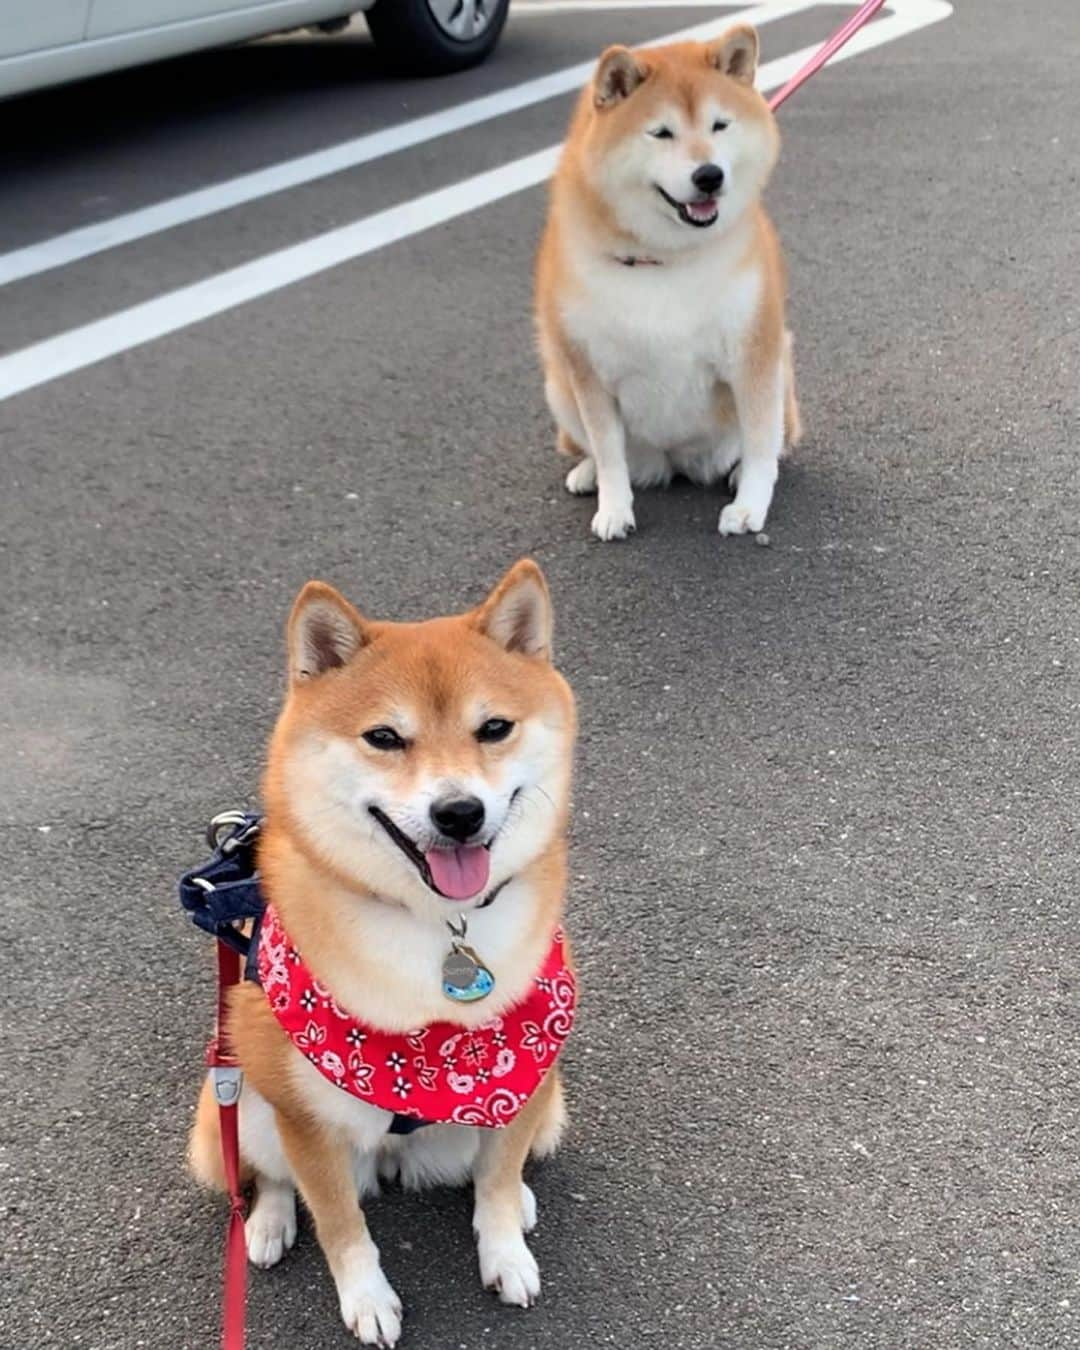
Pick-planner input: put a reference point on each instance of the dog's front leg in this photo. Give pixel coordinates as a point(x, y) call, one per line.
point(504, 1208)
point(614, 518)
point(759, 407)
point(322, 1163)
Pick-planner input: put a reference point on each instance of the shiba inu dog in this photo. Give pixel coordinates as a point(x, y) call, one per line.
point(661, 287)
point(412, 965)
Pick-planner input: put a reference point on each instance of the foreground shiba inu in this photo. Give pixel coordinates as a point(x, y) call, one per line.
point(660, 283)
point(412, 967)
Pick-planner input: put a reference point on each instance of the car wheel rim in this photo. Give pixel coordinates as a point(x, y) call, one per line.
point(463, 20)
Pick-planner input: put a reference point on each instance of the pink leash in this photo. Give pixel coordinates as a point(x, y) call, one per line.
point(843, 34)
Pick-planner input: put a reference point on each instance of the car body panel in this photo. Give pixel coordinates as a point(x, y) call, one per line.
point(110, 46)
point(30, 28)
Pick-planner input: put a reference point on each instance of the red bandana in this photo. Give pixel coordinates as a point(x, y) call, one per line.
point(440, 1073)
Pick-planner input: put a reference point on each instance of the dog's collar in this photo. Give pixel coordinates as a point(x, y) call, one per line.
point(636, 260)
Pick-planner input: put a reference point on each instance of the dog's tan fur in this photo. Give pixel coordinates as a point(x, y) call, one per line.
point(699, 320)
point(373, 932)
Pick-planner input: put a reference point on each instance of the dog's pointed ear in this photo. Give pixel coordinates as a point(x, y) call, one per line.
point(618, 74)
point(325, 632)
point(735, 53)
point(517, 613)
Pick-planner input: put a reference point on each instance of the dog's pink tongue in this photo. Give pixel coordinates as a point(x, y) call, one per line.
point(459, 873)
point(702, 210)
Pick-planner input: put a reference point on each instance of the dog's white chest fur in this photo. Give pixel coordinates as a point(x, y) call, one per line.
point(661, 338)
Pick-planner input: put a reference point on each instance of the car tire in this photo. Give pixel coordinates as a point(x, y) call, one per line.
point(415, 41)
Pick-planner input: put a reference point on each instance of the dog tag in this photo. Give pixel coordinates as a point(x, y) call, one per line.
point(465, 977)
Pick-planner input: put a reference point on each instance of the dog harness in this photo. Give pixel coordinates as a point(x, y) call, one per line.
point(443, 1072)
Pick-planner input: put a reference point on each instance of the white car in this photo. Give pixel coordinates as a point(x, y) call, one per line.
point(45, 42)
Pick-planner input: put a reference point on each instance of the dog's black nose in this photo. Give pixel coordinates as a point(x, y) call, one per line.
point(708, 178)
point(458, 817)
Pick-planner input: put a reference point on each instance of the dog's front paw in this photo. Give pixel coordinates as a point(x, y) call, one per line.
point(271, 1226)
point(613, 522)
point(508, 1267)
point(742, 518)
point(370, 1308)
point(581, 480)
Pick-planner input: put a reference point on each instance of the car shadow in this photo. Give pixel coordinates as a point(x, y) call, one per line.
point(264, 78)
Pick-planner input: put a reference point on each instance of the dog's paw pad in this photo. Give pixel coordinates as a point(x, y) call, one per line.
point(581, 479)
point(528, 1208)
point(510, 1269)
point(736, 518)
point(371, 1310)
point(613, 523)
point(271, 1229)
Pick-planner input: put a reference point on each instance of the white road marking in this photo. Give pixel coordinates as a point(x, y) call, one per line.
point(94, 342)
point(84, 242)
point(541, 7)
point(535, 7)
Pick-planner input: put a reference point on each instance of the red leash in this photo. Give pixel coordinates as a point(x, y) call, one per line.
point(842, 35)
point(227, 1078)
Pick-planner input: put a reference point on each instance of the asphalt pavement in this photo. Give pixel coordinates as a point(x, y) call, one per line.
point(825, 1082)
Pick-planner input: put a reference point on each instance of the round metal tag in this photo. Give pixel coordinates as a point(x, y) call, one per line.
point(465, 977)
point(459, 969)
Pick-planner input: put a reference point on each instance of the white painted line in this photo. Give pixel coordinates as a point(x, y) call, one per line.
point(541, 7)
point(84, 242)
point(535, 7)
point(94, 342)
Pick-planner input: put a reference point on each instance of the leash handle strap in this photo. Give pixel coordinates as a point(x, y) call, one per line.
point(227, 1079)
point(824, 53)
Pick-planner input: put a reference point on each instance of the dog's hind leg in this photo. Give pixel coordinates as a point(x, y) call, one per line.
point(571, 438)
point(566, 445)
point(505, 1208)
point(550, 1126)
point(793, 427)
point(270, 1229)
point(581, 480)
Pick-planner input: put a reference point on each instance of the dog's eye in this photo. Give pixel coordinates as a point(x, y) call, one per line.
point(384, 738)
point(494, 729)
point(720, 125)
point(662, 134)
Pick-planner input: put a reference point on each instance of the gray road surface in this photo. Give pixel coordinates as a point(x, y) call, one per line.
point(825, 854)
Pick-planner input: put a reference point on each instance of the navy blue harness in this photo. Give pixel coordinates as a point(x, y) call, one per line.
point(223, 894)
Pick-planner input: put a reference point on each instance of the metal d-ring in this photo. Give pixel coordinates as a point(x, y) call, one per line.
point(228, 820)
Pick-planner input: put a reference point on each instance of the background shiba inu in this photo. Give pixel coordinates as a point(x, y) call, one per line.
point(660, 283)
point(416, 770)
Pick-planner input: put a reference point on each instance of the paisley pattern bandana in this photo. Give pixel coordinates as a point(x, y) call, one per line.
point(439, 1073)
